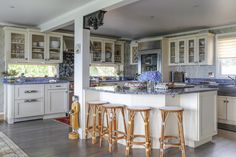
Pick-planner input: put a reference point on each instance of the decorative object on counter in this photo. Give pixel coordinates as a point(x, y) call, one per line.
point(151, 77)
point(94, 20)
point(135, 85)
point(10, 76)
point(74, 119)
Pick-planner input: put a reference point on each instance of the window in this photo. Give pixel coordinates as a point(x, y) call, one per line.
point(97, 70)
point(226, 54)
point(34, 70)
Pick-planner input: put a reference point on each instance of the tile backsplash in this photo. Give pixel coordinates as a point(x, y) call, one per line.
point(198, 71)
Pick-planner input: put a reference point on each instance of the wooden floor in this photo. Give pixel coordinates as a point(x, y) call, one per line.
point(49, 139)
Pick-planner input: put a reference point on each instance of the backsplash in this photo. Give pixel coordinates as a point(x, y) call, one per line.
point(66, 69)
point(200, 71)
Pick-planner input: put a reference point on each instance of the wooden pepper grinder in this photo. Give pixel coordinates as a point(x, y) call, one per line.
point(74, 119)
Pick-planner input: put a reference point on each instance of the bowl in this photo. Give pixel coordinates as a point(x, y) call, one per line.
point(41, 44)
point(55, 44)
point(35, 44)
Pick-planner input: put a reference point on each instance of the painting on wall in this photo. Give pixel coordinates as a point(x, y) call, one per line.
point(134, 55)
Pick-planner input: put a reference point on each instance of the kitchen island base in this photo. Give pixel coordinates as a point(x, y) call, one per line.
point(200, 123)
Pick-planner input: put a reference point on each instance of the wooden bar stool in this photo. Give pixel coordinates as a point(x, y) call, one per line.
point(95, 108)
point(178, 111)
point(111, 112)
point(145, 114)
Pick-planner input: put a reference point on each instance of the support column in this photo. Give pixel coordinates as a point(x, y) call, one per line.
point(81, 67)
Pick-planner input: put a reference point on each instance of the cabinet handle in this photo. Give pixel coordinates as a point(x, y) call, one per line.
point(31, 100)
point(31, 91)
point(26, 58)
point(58, 86)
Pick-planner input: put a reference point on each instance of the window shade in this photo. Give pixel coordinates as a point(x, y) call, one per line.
point(226, 46)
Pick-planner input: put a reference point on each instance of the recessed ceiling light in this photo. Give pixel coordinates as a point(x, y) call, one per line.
point(12, 6)
point(152, 17)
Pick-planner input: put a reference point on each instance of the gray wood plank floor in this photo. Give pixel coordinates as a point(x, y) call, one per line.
point(47, 138)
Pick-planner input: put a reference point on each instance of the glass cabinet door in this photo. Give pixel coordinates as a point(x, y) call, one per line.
point(18, 45)
point(118, 53)
point(202, 50)
point(181, 51)
point(191, 50)
point(37, 47)
point(96, 50)
point(109, 52)
point(55, 48)
point(172, 52)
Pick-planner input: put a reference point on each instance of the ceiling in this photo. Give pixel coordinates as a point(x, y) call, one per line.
point(35, 12)
point(156, 17)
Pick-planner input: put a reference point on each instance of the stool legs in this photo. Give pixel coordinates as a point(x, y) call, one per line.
point(130, 132)
point(181, 134)
point(94, 124)
point(87, 123)
point(181, 145)
point(163, 117)
point(147, 133)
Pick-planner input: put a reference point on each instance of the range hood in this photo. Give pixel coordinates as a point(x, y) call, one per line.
point(149, 45)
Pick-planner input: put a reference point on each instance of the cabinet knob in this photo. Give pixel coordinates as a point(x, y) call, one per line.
point(26, 58)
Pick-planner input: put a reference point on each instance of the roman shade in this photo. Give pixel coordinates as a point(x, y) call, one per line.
point(226, 46)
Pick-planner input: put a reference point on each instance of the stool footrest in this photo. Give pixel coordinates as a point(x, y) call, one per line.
point(175, 145)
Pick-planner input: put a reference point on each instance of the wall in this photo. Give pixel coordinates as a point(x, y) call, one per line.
point(2, 66)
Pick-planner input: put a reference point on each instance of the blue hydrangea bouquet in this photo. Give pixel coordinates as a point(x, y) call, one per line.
point(150, 76)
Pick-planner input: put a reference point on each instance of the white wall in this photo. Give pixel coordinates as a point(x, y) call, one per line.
point(2, 66)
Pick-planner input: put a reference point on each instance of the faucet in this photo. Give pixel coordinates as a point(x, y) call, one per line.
point(234, 79)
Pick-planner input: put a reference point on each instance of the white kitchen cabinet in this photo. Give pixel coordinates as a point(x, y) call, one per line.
point(37, 46)
point(133, 53)
point(32, 46)
point(54, 48)
point(102, 50)
point(35, 101)
point(119, 52)
point(56, 99)
point(16, 45)
point(222, 107)
point(29, 108)
point(231, 109)
point(191, 50)
point(173, 52)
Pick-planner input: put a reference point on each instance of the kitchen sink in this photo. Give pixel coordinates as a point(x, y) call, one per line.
point(228, 90)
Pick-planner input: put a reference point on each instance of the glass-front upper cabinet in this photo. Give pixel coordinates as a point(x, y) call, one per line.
point(202, 50)
point(191, 51)
point(119, 50)
point(96, 51)
point(181, 51)
point(16, 45)
point(55, 50)
point(109, 49)
point(37, 46)
point(172, 52)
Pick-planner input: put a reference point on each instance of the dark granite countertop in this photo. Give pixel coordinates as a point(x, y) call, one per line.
point(121, 90)
point(36, 81)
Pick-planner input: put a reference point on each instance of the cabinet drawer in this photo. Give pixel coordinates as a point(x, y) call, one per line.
point(29, 108)
point(57, 86)
point(29, 91)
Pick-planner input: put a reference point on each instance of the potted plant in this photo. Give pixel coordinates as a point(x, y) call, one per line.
point(10, 76)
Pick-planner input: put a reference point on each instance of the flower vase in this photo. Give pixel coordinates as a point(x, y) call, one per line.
point(150, 86)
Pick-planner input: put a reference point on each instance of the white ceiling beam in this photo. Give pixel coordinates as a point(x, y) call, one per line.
point(68, 18)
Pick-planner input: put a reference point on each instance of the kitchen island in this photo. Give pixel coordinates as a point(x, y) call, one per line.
point(200, 110)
